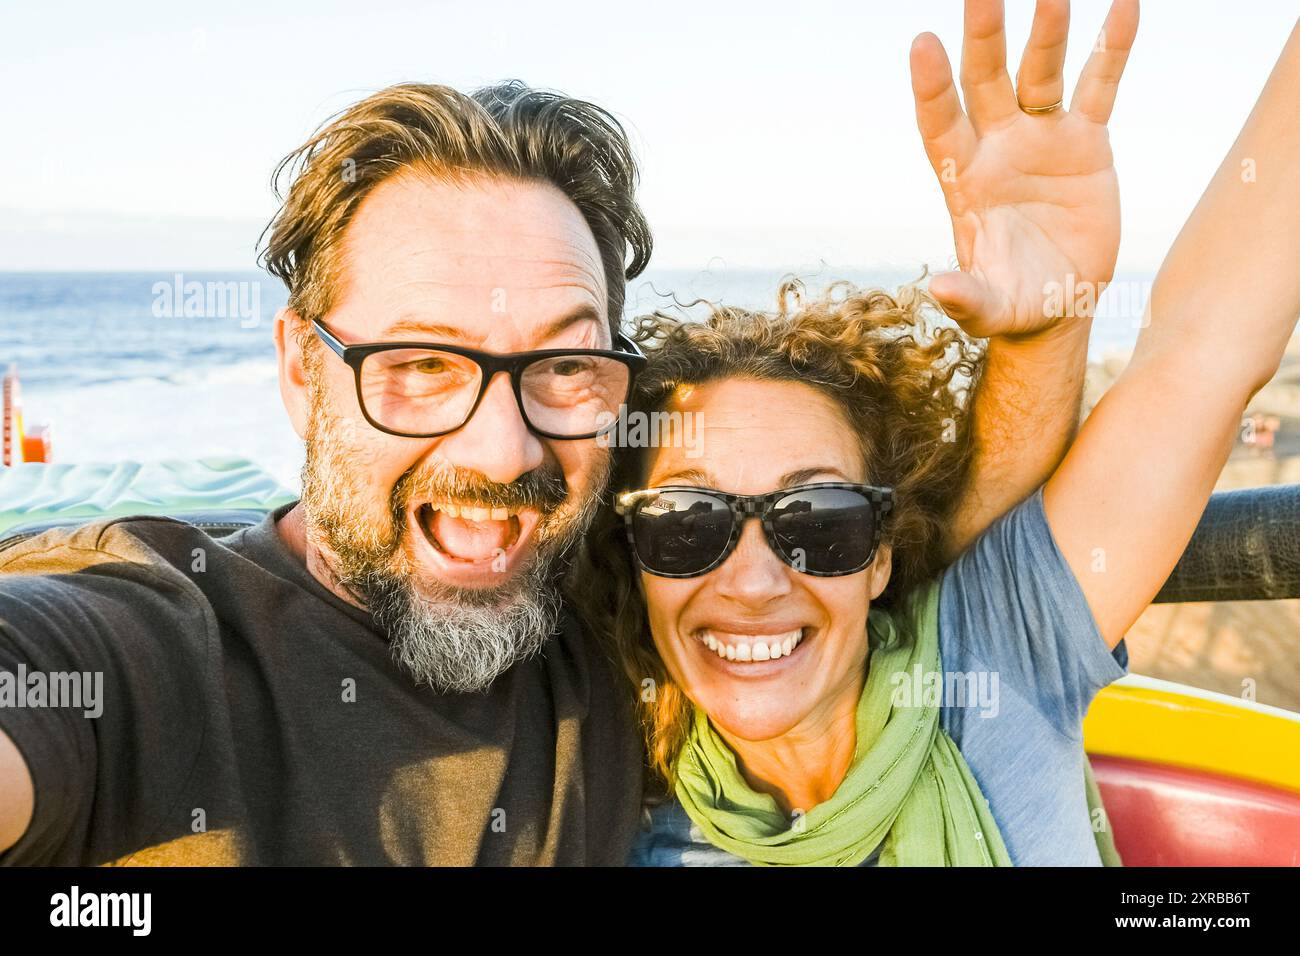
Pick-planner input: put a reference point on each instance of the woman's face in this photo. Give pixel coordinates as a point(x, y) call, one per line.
point(758, 437)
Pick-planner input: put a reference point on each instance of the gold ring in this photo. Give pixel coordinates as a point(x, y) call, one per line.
point(1040, 109)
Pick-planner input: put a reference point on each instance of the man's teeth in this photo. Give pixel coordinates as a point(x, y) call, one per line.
point(764, 649)
point(469, 513)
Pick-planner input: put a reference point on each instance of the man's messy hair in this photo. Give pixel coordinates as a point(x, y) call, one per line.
point(508, 131)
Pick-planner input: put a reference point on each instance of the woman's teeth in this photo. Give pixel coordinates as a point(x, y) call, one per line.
point(763, 649)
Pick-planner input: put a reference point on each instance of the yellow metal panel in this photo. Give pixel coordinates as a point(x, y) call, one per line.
point(1147, 719)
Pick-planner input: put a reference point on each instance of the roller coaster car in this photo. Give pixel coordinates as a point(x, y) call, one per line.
point(1190, 777)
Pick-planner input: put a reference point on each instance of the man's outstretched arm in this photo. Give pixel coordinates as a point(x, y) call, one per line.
point(1034, 200)
point(16, 796)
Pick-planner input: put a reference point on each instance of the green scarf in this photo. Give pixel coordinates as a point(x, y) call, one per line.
point(908, 789)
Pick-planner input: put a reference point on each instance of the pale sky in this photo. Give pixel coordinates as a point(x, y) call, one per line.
point(143, 135)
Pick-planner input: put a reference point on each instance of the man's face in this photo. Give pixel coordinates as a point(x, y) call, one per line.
point(451, 541)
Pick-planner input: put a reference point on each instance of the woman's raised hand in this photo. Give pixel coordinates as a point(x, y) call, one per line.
point(1224, 306)
point(1030, 185)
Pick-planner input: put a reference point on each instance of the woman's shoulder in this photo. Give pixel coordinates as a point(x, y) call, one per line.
point(668, 837)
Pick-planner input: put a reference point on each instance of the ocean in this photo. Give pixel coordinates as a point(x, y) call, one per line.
point(147, 366)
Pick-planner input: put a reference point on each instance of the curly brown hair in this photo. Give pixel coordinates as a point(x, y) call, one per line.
point(902, 378)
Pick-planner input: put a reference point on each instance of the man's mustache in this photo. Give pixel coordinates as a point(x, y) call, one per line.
point(543, 489)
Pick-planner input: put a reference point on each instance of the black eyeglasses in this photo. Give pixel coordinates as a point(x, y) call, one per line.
point(426, 389)
point(828, 529)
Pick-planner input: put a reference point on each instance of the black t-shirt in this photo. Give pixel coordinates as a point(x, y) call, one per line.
point(250, 716)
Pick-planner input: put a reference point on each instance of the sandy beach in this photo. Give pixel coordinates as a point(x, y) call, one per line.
point(1242, 648)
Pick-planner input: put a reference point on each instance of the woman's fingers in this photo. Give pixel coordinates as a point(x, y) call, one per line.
point(946, 131)
point(1094, 97)
point(990, 98)
point(1039, 81)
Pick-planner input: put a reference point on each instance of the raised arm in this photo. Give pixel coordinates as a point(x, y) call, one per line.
point(1034, 202)
point(1125, 501)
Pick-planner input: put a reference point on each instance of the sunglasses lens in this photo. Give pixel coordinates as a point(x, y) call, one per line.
point(680, 532)
point(825, 530)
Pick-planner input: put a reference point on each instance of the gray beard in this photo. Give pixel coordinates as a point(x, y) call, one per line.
point(461, 640)
point(456, 640)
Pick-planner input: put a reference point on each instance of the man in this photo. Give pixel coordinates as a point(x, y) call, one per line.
point(384, 672)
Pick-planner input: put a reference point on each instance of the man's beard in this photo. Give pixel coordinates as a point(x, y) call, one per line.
point(451, 638)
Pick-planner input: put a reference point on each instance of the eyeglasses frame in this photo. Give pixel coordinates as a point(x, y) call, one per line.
point(489, 363)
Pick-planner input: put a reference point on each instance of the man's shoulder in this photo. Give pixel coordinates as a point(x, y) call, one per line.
point(107, 574)
point(163, 545)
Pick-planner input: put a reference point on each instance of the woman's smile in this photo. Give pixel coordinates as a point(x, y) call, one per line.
point(751, 646)
point(760, 650)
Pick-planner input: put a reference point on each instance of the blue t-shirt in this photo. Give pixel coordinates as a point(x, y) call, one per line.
point(1022, 659)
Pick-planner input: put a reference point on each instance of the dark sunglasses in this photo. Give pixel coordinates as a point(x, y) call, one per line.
point(828, 529)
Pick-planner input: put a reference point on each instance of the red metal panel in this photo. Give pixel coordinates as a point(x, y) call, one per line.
point(1169, 816)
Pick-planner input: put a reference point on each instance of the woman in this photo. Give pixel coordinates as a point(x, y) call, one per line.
point(780, 612)
point(788, 672)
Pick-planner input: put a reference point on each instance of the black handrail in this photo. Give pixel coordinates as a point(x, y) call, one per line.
point(1246, 547)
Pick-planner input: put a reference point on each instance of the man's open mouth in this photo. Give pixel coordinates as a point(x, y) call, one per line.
point(474, 545)
point(469, 532)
